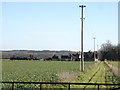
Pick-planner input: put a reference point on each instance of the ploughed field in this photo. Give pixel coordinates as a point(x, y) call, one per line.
point(56, 71)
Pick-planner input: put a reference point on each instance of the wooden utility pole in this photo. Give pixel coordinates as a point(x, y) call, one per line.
point(94, 49)
point(97, 52)
point(82, 53)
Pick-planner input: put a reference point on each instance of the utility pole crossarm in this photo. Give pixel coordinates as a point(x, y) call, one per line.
point(82, 6)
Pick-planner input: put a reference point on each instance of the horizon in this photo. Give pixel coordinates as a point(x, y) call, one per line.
point(38, 50)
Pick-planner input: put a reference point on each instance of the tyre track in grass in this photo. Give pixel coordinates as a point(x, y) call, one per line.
point(100, 76)
point(92, 76)
point(106, 74)
point(97, 77)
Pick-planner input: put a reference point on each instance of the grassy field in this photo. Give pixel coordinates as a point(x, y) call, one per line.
point(37, 70)
point(49, 71)
point(98, 74)
point(115, 63)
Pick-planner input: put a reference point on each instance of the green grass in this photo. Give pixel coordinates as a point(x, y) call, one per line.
point(37, 70)
point(46, 71)
point(115, 63)
point(102, 74)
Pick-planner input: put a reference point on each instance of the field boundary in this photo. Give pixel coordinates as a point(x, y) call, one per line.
point(115, 70)
point(67, 83)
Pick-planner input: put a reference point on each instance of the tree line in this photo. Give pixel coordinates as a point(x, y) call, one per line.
point(30, 57)
point(109, 51)
point(69, 57)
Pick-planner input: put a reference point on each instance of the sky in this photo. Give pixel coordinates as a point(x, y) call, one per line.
point(57, 25)
point(119, 22)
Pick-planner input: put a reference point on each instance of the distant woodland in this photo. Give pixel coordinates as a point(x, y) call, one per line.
point(45, 55)
point(107, 51)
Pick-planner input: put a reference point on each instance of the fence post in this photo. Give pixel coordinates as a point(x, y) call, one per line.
point(13, 86)
point(40, 86)
point(98, 86)
point(69, 86)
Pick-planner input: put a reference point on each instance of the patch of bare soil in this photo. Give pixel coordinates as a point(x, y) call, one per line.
point(68, 76)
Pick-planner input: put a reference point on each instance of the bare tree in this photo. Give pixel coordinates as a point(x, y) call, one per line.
point(109, 51)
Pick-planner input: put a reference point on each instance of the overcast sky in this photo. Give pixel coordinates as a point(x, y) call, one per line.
point(57, 25)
